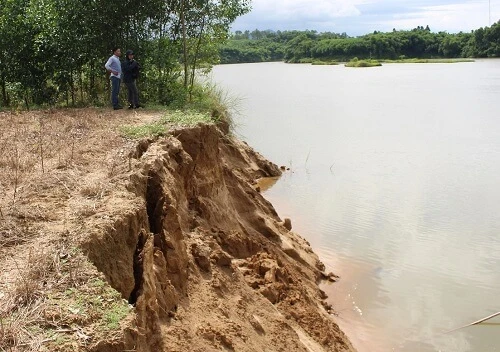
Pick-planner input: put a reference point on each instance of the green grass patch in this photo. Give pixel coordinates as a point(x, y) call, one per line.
point(98, 304)
point(362, 63)
point(304, 60)
point(114, 314)
point(309, 60)
point(324, 62)
point(427, 61)
point(187, 118)
point(170, 120)
point(154, 129)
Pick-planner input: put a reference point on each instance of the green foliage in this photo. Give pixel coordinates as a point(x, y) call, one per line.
point(309, 46)
point(52, 52)
point(355, 62)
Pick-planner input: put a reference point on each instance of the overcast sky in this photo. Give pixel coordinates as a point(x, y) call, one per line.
point(357, 17)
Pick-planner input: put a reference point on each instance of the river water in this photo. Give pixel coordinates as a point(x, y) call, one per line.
point(394, 180)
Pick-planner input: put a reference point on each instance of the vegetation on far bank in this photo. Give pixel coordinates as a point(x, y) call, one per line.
point(316, 62)
point(401, 45)
point(426, 61)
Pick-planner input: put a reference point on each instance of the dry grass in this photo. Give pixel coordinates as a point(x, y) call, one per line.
point(53, 297)
point(55, 168)
point(46, 154)
point(15, 233)
point(35, 143)
point(14, 331)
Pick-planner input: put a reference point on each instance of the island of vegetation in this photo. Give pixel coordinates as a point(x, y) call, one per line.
point(355, 62)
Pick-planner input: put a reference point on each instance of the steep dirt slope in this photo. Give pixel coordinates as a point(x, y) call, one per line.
point(200, 261)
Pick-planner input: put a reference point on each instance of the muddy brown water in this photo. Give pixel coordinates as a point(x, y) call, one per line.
point(395, 181)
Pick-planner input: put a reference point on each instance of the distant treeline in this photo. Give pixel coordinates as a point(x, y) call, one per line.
point(301, 46)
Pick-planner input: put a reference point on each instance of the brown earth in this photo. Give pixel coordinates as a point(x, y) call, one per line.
point(111, 244)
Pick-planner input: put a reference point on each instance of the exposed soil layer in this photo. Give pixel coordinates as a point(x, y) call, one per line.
point(151, 245)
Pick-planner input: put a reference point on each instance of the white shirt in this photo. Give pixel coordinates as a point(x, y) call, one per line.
point(114, 64)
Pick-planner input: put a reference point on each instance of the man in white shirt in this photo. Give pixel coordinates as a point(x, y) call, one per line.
point(114, 66)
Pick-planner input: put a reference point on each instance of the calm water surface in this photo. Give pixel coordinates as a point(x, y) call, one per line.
point(395, 182)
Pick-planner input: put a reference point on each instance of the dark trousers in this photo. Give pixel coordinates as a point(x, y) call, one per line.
point(115, 90)
point(133, 93)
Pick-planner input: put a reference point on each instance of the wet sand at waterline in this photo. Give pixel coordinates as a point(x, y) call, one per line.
point(393, 175)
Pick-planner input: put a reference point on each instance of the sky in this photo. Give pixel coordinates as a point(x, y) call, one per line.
point(358, 17)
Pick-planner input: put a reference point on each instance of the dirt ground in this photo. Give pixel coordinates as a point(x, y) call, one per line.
point(114, 244)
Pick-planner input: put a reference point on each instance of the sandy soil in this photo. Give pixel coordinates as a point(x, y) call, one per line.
point(112, 244)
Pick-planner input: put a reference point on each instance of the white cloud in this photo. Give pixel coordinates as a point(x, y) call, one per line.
point(358, 17)
point(297, 14)
point(305, 9)
point(451, 17)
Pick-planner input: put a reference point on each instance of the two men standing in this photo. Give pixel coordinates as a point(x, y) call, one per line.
point(130, 71)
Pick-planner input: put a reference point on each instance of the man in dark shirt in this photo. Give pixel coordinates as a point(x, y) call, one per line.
point(130, 70)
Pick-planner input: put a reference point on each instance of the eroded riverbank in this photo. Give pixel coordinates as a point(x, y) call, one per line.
point(200, 261)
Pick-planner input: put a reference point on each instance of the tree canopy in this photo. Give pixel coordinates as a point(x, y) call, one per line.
point(53, 51)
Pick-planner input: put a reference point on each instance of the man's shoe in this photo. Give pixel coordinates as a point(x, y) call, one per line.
point(138, 106)
point(131, 106)
point(117, 107)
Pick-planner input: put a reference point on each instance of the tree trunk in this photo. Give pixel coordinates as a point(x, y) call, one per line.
point(184, 44)
point(92, 87)
point(72, 87)
point(195, 59)
point(26, 101)
point(80, 83)
point(5, 97)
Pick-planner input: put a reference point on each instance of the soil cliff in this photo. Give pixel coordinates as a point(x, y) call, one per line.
point(160, 244)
